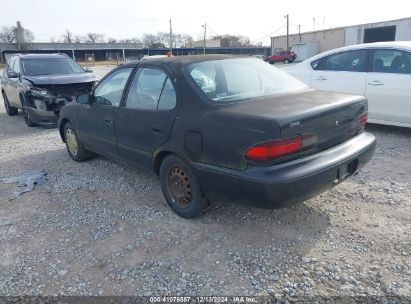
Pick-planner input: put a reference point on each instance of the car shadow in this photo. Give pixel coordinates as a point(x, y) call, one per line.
point(14, 126)
point(377, 129)
point(225, 226)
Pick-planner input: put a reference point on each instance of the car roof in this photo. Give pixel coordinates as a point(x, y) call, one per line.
point(41, 56)
point(176, 62)
point(390, 44)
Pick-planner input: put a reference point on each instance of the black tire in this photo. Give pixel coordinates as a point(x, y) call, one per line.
point(181, 189)
point(74, 147)
point(286, 61)
point(26, 115)
point(11, 111)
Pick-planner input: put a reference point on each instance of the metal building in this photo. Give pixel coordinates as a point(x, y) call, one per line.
point(328, 39)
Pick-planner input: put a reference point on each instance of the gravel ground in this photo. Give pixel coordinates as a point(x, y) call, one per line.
point(100, 228)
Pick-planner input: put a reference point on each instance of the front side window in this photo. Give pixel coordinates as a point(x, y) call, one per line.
point(16, 66)
point(10, 65)
point(50, 66)
point(151, 89)
point(315, 64)
point(110, 91)
point(233, 80)
point(391, 61)
point(350, 61)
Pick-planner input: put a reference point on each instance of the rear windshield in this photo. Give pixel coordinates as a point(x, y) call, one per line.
point(232, 80)
point(50, 66)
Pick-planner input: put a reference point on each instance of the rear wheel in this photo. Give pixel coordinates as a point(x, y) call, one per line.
point(74, 147)
point(26, 115)
point(180, 188)
point(11, 111)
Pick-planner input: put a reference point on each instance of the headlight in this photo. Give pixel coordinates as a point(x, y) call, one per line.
point(38, 91)
point(40, 104)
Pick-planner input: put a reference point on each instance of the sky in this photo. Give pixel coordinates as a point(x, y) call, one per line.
point(259, 20)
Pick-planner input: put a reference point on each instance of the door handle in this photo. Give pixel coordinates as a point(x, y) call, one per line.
point(321, 78)
point(108, 121)
point(375, 83)
point(157, 128)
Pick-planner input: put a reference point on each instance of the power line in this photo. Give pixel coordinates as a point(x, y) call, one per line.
point(268, 35)
point(210, 28)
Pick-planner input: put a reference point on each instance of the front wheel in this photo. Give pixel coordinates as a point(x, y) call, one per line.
point(180, 188)
point(74, 147)
point(26, 115)
point(286, 61)
point(11, 111)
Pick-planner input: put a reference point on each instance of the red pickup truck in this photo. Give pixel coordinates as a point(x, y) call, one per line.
point(281, 56)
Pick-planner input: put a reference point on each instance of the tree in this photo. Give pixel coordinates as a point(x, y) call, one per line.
point(233, 40)
point(67, 37)
point(9, 34)
point(94, 37)
point(162, 40)
point(29, 35)
point(130, 40)
point(188, 40)
point(79, 39)
point(152, 41)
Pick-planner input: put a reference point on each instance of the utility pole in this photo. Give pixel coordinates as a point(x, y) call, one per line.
point(314, 29)
point(171, 39)
point(288, 32)
point(299, 31)
point(205, 34)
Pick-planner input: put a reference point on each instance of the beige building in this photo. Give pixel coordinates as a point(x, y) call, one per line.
point(209, 43)
point(327, 40)
point(392, 30)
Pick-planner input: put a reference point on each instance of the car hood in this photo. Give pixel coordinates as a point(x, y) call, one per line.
point(61, 79)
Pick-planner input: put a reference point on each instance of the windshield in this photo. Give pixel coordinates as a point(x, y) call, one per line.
point(50, 66)
point(231, 80)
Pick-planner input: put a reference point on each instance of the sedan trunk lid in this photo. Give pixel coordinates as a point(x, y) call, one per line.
point(332, 117)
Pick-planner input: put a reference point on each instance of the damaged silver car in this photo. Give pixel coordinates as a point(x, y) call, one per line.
point(41, 84)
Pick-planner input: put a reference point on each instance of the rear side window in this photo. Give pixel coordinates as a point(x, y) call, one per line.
point(151, 89)
point(391, 61)
point(350, 61)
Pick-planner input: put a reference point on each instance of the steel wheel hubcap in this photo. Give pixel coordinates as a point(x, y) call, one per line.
point(71, 141)
point(179, 186)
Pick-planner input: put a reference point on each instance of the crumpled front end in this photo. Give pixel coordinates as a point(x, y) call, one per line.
point(43, 103)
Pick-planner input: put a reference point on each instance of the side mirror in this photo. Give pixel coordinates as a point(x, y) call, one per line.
point(12, 74)
point(88, 70)
point(84, 99)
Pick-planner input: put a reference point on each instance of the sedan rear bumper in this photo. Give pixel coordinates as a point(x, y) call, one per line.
point(288, 183)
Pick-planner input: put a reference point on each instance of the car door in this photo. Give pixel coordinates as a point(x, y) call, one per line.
point(13, 84)
point(96, 119)
point(388, 86)
point(6, 81)
point(144, 121)
point(343, 72)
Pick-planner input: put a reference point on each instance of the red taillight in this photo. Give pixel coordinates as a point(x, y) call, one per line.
point(275, 149)
point(363, 119)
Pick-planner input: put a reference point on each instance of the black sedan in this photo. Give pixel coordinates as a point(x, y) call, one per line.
point(40, 84)
point(221, 128)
